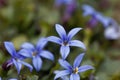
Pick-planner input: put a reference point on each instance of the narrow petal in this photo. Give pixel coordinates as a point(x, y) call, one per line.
point(41, 43)
point(18, 65)
point(61, 74)
point(85, 68)
point(65, 64)
point(37, 62)
point(60, 30)
point(88, 10)
point(25, 53)
point(54, 39)
point(73, 32)
point(28, 46)
point(64, 50)
point(28, 65)
point(77, 44)
point(10, 48)
point(47, 54)
point(74, 77)
point(78, 60)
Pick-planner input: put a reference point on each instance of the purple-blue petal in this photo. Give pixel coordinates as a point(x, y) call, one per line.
point(28, 46)
point(74, 77)
point(65, 64)
point(37, 62)
point(10, 48)
point(41, 43)
point(85, 68)
point(61, 74)
point(54, 39)
point(77, 44)
point(73, 32)
point(78, 60)
point(105, 20)
point(61, 31)
point(88, 10)
point(46, 54)
point(25, 53)
point(18, 65)
point(64, 50)
point(27, 65)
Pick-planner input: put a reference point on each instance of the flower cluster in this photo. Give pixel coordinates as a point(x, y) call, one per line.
point(37, 52)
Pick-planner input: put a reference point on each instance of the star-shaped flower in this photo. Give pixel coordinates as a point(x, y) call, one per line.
point(16, 58)
point(88, 10)
point(72, 70)
point(36, 52)
point(65, 40)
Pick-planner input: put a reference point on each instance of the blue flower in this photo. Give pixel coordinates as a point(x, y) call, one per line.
point(88, 10)
point(72, 70)
point(36, 52)
point(65, 40)
point(16, 58)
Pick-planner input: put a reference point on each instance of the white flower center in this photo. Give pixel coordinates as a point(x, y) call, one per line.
point(75, 70)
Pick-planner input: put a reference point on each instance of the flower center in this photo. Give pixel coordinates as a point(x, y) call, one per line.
point(75, 70)
point(34, 53)
point(65, 43)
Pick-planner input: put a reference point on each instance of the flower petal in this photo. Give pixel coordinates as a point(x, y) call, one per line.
point(65, 64)
point(61, 74)
point(37, 62)
point(28, 46)
point(54, 39)
point(74, 77)
point(25, 53)
point(10, 48)
point(41, 43)
point(84, 68)
point(64, 50)
point(88, 10)
point(28, 65)
point(73, 32)
point(78, 60)
point(61, 31)
point(18, 65)
point(47, 54)
point(77, 44)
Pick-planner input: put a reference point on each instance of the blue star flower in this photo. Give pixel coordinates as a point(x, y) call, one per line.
point(65, 40)
point(16, 58)
point(72, 70)
point(36, 52)
point(88, 10)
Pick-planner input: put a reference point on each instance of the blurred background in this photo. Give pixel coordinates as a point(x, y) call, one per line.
point(28, 20)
